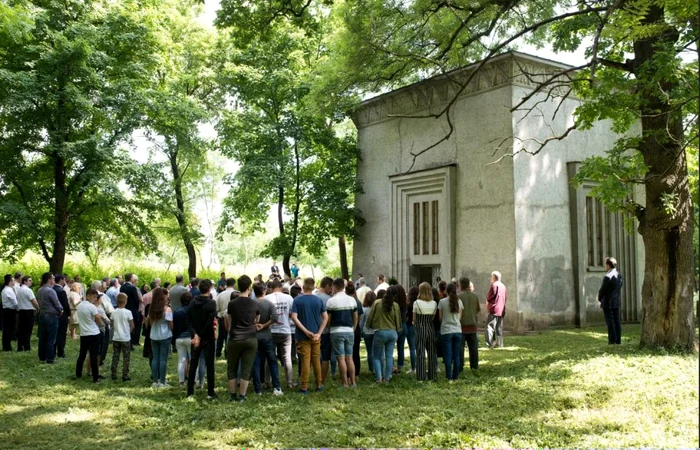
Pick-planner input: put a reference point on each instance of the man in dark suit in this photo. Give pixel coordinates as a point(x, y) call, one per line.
point(133, 301)
point(274, 269)
point(609, 298)
point(59, 287)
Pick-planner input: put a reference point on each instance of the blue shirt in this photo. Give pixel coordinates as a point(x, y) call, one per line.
point(308, 309)
point(180, 329)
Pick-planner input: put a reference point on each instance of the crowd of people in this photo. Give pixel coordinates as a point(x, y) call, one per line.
point(258, 326)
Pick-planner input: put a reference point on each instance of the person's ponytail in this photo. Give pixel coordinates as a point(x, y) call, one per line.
point(452, 295)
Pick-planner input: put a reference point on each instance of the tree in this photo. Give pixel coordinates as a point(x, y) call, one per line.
point(181, 99)
point(72, 78)
point(281, 145)
point(640, 69)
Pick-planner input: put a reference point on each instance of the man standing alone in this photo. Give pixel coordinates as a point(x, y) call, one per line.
point(496, 307)
point(609, 298)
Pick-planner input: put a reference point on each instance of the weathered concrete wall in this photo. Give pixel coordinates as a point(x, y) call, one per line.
point(484, 228)
point(542, 215)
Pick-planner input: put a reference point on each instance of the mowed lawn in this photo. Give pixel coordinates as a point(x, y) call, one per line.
point(560, 388)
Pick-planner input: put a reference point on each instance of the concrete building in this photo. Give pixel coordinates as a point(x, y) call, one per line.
point(478, 202)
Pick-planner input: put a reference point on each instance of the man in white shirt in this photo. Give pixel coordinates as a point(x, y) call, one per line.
point(9, 313)
point(222, 301)
point(282, 329)
point(342, 310)
point(362, 290)
point(381, 284)
point(28, 306)
point(89, 321)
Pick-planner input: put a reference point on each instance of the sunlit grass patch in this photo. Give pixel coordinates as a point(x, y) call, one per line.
point(563, 388)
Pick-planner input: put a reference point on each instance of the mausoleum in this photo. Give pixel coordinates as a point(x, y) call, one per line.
point(479, 202)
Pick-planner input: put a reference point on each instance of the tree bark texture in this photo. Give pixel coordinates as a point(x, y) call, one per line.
point(342, 250)
point(181, 217)
point(58, 258)
point(666, 223)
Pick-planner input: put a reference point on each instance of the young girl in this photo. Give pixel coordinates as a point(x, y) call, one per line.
point(450, 310)
point(74, 299)
point(385, 318)
point(160, 317)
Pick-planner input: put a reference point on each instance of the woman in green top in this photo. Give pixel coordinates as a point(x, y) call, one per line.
point(385, 319)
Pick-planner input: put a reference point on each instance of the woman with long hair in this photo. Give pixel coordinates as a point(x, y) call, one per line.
point(368, 333)
point(442, 289)
point(160, 318)
point(410, 326)
point(74, 299)
point(450, 311)
point(424, 312)
point(402, 301)
point(385, 318)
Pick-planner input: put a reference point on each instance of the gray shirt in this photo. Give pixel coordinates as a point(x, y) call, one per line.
point(450, 321)
point(48, 301)
point(175, 294)
point(267, 311)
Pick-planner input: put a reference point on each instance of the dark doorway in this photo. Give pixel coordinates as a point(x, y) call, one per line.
point(424, 273)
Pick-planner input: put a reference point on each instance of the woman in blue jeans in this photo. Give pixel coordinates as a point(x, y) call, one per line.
point(450, 312)
point(385, 319)
point(160, 317)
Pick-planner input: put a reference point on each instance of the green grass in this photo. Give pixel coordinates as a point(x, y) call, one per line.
point(563, 388)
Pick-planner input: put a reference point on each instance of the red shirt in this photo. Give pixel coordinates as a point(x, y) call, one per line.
point(496, 299)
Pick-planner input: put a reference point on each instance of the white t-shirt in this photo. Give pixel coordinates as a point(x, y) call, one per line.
point(86, 319)
point(384, 286)
point(342, 309)
point(423, 307)
point(25, 295)
point(361, 292)
point(160, 330)
point(120, 325)
point(9, 298)
point(283, 303)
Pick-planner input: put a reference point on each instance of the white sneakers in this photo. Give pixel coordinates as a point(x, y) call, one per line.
point(277, 392)
point(159, 385)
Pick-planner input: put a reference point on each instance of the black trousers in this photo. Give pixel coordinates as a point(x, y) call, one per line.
point(136, 334)
point(9, 322)
point(356, 351)
point(221, 340)
point(471, 341)
point(89, 344)
point(206, 349)
point(612, 320)
point(26, 325)
point(61, 336)
point(105, 344)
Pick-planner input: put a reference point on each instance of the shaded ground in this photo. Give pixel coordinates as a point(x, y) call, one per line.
point(564, 388)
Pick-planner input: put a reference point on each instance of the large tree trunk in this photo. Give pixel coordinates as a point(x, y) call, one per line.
point(181, 216)
point(58, 258)
point(666, 223)
point(344, 272)
point(287, 256)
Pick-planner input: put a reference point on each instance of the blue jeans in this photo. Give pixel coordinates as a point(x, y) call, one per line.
point(369, 340)
point(383, 349)
point(409, 332)
point(159, 364)
point(266, 349)
point(451, 351)
point(48, 328)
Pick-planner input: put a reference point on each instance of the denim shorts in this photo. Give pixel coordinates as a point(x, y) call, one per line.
point(343, 343)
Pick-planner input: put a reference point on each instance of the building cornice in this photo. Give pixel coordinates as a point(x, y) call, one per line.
point(431, 95)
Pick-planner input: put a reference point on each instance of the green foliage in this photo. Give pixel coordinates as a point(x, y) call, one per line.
point(562, 389)
point(289, 156)
point(72, 81)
